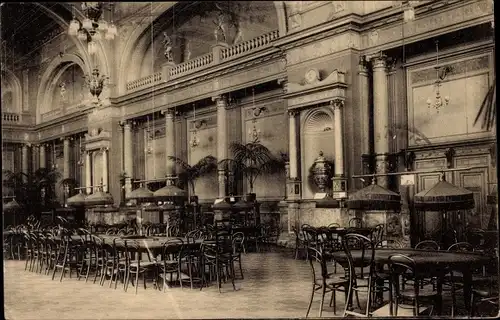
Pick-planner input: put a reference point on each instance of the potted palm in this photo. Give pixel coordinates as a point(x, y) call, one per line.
point(251, 160)
point(190, 173)
point(35, 190)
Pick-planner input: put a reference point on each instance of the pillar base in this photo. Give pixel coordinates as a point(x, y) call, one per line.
point(294, 189)
point(128, 187)
point(339, 187)
point(381, 166)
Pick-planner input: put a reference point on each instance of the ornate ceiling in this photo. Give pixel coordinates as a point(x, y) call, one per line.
point(25, 25)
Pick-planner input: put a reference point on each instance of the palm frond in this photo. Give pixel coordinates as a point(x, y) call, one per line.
point(206, 165)
point(487, 111)
point(184, 165)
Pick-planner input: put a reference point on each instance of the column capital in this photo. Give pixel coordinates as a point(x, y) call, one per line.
point(337, 103)
point(283, 82)
point(126, 123)
point(292, 113)
point(379, 61)
point(67, 138)
point(25, 145)
point(169, 113)
point(363, 66)
point(220, 100)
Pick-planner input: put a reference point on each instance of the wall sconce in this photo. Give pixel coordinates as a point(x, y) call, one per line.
point(254, 134)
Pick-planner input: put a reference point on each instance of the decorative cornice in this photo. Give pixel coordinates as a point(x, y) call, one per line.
point(207, 74)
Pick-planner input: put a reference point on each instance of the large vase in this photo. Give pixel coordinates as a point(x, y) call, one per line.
point(321, 173)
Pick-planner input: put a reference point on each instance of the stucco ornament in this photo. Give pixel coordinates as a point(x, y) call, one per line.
point(167, 45)
point(311, 76)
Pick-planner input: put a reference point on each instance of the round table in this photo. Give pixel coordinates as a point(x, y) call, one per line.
point(437, 262)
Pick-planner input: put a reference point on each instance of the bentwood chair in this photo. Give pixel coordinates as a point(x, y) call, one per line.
point(400, 266)
point(325, 282)
point(485, 294)
point(353, 241)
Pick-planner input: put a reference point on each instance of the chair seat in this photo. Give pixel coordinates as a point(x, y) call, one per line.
point(485, 292)
point(458, 277)
point(143, 264)
point(171, 277)
point(425, 292)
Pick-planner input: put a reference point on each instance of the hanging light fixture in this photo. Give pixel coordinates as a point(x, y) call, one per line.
point(149, 148)
point(54, 164)
point(441, 73)
point(80, 162)
point(194, 139)
point(254, 133)
point(94, 24)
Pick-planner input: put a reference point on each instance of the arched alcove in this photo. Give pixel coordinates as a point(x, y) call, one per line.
point(51, 81)
point(11, 92)
point(69, 90)
point(317, 129)
point(191, 27)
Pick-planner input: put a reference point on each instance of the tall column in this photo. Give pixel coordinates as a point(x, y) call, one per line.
point(339, 181)
point(127, 156)
point(24, 158)
point(34, 157)
point(381, 116)
point(105, 170)
point(169, 145)
point(221, 140)
point(292, 143)
point(43, 158)
point(88, 172)
point(66, 157)
point(364, 101)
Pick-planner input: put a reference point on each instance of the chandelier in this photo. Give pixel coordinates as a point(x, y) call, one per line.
point(438, 102)
point(96, 83)
point(93, 26)
point(194, 142)
point(81, 162)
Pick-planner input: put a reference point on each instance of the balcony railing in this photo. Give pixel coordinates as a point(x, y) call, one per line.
point(247, 46)
point(201, 62)
point(191, 65)
point(10, 117)
point(144, 82)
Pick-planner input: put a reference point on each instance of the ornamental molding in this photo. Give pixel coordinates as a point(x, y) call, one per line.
point(431, 21)
point(312, 80)
point(272, 54)
point(97, 141)
point(196, 90)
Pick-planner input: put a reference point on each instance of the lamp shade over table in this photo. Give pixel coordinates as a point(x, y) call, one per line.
point(374, 197)
point(444, 196)
point(78, 200)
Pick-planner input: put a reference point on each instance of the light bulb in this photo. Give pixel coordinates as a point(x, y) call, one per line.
point(97, 35)
point(87, 24)
point(103, 25)
point(112, 30)
point(92, 48)
point(74, 26)
point(82, 35)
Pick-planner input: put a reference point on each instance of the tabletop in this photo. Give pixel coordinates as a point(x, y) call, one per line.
point(422, 257)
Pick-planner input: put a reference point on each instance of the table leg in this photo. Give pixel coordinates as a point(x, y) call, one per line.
point(439, 288)
point(467, 278)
